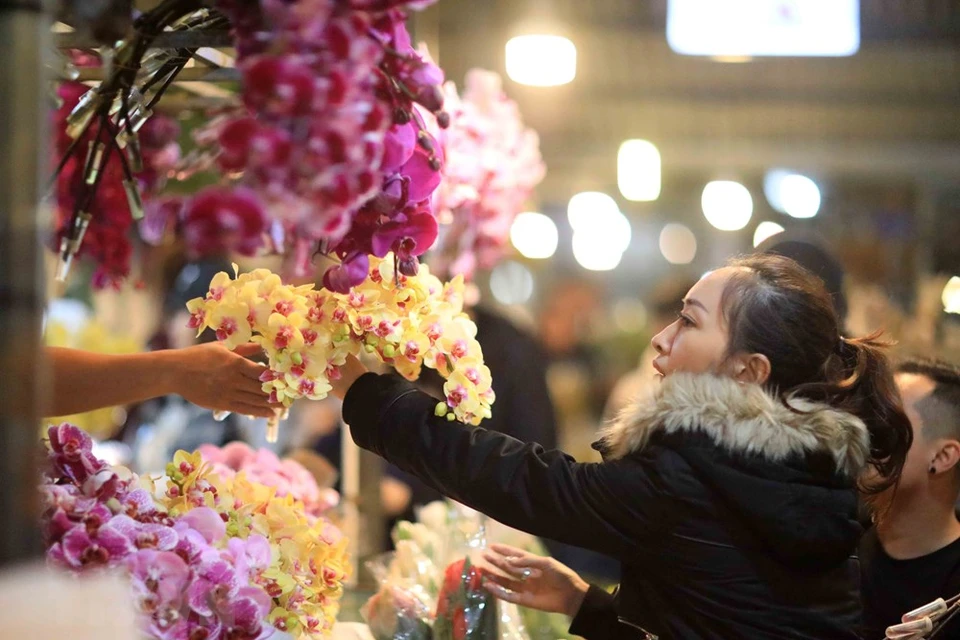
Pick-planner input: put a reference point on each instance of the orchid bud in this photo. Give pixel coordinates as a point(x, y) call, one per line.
point(425, 141)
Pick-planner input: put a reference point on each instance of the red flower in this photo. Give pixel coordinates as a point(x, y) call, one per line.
point(218, 220)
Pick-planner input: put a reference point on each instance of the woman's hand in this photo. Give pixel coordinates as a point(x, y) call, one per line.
point(349, 372)
point(533, 581)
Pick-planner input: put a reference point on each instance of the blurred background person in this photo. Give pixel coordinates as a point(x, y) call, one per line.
point(911, 556)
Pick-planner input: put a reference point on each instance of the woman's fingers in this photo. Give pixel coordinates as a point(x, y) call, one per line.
point(502, 563)
point(506, 594)
point(519, 558)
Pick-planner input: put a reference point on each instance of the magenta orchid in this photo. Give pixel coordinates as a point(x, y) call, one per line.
point(191, 573)
point(326, 172)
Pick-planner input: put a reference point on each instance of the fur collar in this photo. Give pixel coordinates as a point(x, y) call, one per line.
point(740, 418)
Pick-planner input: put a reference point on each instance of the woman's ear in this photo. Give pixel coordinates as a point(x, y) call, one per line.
point(751, 368)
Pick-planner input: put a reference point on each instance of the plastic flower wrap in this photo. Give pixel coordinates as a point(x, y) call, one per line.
point(406, 321)
point(287, 476)
point(92, 336)
point(211, 558)
point(401, 609)
point(465, 610)
point(492, 163)
point(435, 568)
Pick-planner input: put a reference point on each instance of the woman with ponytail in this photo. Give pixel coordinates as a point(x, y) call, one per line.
point(729, 496)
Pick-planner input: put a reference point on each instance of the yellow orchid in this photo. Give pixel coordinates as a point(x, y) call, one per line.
point(198, 308)
point(407, 321)
point(229, 321)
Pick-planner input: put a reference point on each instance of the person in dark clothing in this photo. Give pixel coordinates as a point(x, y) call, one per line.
point(729, 497)
point(524, 410)
point(912, 555)
point(518, 364)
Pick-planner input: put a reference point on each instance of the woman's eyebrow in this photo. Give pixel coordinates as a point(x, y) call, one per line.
point(694, 303)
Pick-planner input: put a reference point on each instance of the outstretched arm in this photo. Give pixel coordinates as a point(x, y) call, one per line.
point(616, 508)
point(208, 375)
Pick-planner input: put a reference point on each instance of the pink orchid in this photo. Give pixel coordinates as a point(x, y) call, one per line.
point(72, 452)
point(146, 535)
point(86, 547)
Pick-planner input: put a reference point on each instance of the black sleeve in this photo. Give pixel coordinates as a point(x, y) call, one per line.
point(597, 618)
point(528, 413)
point(610, 507)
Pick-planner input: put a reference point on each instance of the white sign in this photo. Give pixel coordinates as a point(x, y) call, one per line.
point(764, 27)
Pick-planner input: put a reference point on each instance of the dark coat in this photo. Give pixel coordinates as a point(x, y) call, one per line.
point(732, 515)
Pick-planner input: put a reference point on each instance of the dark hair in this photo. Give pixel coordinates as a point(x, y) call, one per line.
point(813, 256)
point(775, 307)
point(942, 419)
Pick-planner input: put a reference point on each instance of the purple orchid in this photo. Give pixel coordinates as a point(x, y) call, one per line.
point(207, 522)
point(146, 535)
point(399, 144)
point(159, 578)
point(351, 271)
point(139, 505)
point(87, 546)
point(251, 556)
point(71, 451)
point(102, 485)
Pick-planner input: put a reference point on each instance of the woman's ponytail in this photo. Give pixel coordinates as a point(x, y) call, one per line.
point(775, 307)
point(864, 386)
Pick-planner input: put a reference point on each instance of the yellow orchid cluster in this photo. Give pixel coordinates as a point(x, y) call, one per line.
point(307, 334)
point(309, 559)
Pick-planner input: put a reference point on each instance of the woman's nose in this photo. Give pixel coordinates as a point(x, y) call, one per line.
point(661, 341)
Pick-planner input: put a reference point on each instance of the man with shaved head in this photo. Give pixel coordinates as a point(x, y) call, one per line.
point(912, 554)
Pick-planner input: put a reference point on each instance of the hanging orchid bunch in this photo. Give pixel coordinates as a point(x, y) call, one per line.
point(492, 164)
point(327, 152)
point(109, 210)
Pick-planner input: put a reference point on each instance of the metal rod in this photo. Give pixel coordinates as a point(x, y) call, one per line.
point(192, 74)
point(168, 40)
point(24, 36)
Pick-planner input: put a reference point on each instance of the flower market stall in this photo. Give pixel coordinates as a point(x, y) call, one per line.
point(314, 132)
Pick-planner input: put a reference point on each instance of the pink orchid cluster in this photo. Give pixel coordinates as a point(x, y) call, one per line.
point(287, 476)
point(492, 163)
point(107, 239)
point(329, 150)
point(189, 579)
